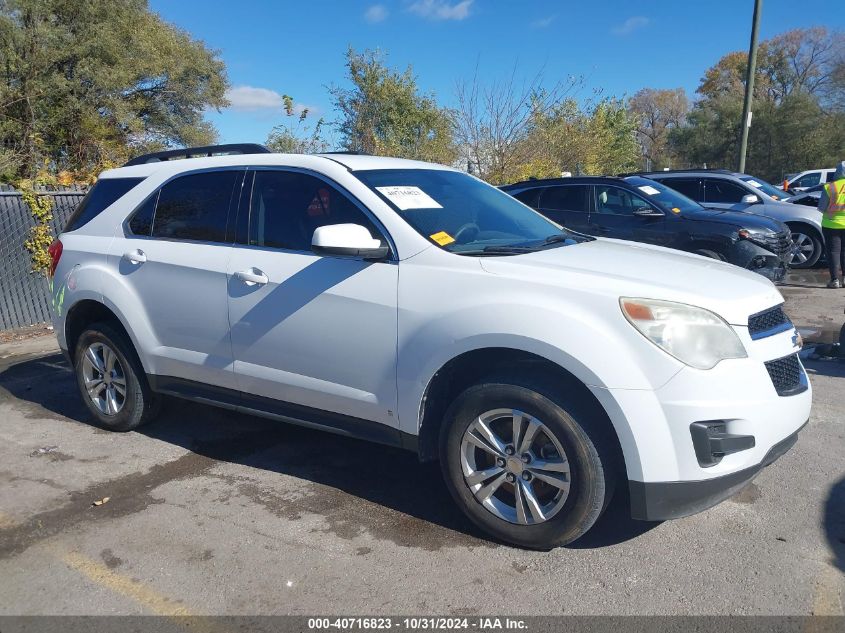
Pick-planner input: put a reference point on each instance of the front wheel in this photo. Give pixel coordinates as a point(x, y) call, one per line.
point(806, 248)
point(524, 465)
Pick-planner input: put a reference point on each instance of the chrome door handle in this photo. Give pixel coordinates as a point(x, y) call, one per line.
point(136, 257)
point(252, 277)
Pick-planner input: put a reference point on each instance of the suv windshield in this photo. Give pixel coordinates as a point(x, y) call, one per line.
point(762, 185)
point(464, 215)
point(662, 195)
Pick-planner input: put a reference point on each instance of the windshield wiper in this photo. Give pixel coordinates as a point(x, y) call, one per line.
point(499, 250)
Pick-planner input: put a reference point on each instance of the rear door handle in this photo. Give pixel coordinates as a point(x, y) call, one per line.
point(252, 277)
point(136, 257)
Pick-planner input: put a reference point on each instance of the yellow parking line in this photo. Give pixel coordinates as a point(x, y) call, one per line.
point(105, 577)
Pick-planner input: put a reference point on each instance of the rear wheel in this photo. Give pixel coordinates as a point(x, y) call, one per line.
point(111, 380)
point(806, 247)
point(527, 466)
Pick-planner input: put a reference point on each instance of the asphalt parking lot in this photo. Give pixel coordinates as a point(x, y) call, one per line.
point(210, 512)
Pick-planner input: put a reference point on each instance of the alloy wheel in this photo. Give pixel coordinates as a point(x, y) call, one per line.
point(104, 378)
point(515, 466)
point(802, 248)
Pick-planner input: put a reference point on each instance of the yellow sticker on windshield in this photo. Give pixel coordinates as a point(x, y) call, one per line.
point(442, 238)
point(675, 210)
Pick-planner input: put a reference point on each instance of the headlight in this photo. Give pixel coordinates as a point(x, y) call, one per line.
point(694, 336)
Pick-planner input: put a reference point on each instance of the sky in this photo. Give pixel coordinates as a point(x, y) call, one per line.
point(275, 47)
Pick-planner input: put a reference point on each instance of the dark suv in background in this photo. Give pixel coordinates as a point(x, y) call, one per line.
point(642, 210)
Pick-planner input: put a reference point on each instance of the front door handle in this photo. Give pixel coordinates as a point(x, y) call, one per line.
point(136, 257)
point(252, 277)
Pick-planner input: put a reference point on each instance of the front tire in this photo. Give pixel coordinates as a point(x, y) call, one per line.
point(111, 380)
point(807, 248)
point(526, 465)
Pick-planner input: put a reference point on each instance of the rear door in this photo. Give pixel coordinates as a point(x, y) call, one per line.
point(568, 205)
point(172, 254)
point(690, 187)
point(614, 216)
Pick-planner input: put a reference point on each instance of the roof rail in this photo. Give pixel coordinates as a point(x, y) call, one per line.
point(677, 171)
point(197, 152)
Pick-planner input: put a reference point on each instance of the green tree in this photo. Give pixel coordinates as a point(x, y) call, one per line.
point(384, 113)
point(296, 135)
point(798, 107)
point(597, 139)
point(87, 82)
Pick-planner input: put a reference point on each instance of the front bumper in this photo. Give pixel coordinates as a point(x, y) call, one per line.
point(663, 500)
point(772, 264)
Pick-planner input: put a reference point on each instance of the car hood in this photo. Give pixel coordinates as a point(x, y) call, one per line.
point(740, 219)
point(625, 269)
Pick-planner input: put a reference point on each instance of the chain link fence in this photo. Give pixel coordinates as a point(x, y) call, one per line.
point(24, 295)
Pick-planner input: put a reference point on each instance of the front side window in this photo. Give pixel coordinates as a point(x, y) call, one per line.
point(101, 196)
point(287, 207)
point(770, 190)
point(565, 198)
point(722, 191)
point(463, 215)
point(808, 180)
point(615, 201)
point(195, 207)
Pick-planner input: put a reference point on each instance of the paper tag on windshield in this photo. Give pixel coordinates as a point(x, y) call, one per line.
point(409, 198)
point(754, 183)
point(649, 190)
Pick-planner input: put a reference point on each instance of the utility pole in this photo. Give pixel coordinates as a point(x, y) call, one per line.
point(749, 85)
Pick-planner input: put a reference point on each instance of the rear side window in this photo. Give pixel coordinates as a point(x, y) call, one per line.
point(142, 220)
point(722, 191)
point(566, 198)
point(686, 186)
point(104, 192)
point(530, 197)
point(195, 207)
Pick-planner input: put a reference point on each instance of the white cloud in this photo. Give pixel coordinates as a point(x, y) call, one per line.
point(252, 98)
point(630, 25)
point(376, 13)
point(543, 22)
point(441, 9)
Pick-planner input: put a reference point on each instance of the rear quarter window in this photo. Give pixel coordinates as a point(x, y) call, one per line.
point(101, 196)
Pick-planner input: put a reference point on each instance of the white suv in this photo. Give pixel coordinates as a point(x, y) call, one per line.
point(414, 305)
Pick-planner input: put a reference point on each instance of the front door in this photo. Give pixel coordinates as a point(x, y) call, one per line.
point(308, 330)
point(724, 194)
point(615, 215)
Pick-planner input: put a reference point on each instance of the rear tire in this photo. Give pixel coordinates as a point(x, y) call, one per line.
point(111, 380)
point(552, 514)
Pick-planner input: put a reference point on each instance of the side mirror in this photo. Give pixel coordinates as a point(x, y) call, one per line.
point(351, 240)
point(750, 198)
point(647, 212)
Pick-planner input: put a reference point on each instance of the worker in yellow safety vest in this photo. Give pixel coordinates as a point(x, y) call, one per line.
point(832, 206)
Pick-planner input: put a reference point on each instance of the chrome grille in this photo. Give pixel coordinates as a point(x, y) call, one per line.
point(787, 375)
point(768, 322)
